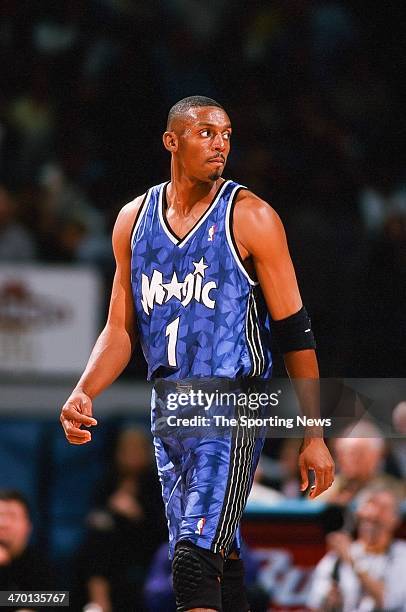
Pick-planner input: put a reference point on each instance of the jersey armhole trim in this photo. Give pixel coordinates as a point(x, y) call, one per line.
point(139, 215)
point(230, 234)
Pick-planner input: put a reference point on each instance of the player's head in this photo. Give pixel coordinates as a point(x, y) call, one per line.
point(15, 522)
point(198, 135)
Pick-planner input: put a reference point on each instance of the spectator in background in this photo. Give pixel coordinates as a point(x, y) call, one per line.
point(290, 482)
point(359, 465)
point(22, 567)
point(281, 472)
point(126, 528)
point(31, 119)
point(368, 573)
point(398, 445)
point(16, 243)
point(70, 228)
point(262, 494)
point(278, 479)
point(383, 275)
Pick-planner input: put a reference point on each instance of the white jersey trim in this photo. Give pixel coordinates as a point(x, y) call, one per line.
point(183, 241)
point(230, 239)
point(140, 214)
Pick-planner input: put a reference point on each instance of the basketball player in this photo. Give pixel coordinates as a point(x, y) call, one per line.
point(200, 263)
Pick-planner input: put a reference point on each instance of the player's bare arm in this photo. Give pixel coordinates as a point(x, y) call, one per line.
point(262, 244)
point(115, 344)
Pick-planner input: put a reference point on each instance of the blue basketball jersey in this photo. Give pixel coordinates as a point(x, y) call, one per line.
point(198, 311)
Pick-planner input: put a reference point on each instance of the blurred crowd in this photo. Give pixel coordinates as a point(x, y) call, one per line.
point(312, 88)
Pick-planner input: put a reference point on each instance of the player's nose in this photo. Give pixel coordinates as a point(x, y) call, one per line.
point(219, 142)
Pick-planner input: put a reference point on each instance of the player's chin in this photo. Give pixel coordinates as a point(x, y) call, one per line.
point(216, 174)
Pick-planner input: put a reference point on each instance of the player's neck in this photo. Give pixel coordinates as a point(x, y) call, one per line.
point(184, 193)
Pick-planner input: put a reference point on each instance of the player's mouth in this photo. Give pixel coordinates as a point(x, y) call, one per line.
point(217, 160)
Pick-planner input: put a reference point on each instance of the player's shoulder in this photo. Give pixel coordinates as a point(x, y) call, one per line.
point(132, 208)
point(125, 220)
point(250, 208)
point(129, 212)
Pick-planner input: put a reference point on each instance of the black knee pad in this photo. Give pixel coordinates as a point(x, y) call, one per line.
point(196, 577)
point(233, 595)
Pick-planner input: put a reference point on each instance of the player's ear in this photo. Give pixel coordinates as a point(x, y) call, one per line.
point(170, 141)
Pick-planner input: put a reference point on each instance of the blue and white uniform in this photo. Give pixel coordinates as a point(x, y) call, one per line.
point(201, 319)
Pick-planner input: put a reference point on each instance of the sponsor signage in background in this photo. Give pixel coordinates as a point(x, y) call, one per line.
point(49, 318)
point(288, 539)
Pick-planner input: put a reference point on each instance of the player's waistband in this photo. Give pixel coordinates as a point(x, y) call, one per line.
point(246, 384)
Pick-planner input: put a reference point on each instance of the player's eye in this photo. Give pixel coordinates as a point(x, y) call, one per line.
point(205, 133)
point(227, 135)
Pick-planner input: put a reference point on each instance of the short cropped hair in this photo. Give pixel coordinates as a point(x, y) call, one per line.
point(184, 105)
point(7, 495)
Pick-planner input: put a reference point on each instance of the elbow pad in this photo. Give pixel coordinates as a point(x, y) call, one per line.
point(294, 333)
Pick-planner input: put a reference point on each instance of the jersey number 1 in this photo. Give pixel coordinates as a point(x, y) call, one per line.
point(172, 333)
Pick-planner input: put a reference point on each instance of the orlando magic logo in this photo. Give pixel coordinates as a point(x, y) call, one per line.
point(155, 291)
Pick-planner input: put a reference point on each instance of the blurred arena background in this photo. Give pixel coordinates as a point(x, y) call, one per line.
point(313, 89)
